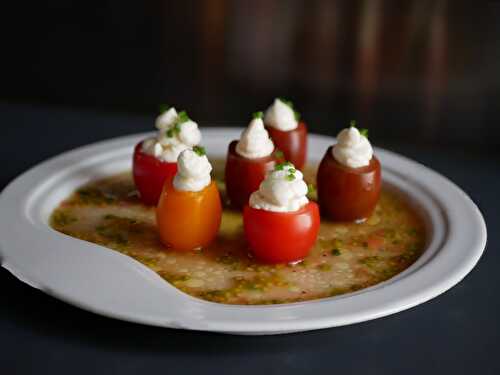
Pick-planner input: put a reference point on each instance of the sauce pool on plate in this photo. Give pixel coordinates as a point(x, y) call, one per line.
point(346, 257)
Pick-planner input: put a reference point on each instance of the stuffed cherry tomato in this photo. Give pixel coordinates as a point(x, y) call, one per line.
point(248, 161)
point(150, 174)
point(189, 213)
point(349, 178)
point(155, 159)
point(280, 223)
point(288, 133)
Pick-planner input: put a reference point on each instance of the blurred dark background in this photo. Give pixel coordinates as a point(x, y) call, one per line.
point(414, 72)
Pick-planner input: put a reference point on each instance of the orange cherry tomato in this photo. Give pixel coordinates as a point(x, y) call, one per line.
point(293, 143)
point(281, 237)
point(188, 219)
point(347, 194)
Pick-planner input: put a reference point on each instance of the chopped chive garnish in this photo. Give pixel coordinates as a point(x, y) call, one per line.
point(336, 252)
point(163, 108)
point(353, 123)
point(200, 151)
point(258, 114)
point(364, 132)
point(290, 177)
point(182, 117)
point(281, 166)
point(286, 101)
point(290, 104)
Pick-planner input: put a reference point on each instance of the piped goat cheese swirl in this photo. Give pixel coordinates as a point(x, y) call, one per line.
point(254, 141)
point(193, 171)
point(353, 149)
point(176, 133)
point(281, 116)
point(283, 190)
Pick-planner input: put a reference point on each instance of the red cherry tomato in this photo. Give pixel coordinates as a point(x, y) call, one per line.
point(293, 143)
point(150, 174)
point(279, 237)
point(347, 194)
point(243, 176)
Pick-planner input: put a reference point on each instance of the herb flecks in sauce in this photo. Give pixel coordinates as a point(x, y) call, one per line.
point(346, 258)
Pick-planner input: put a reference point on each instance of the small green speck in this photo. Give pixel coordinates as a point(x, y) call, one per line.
point(258, 114)
point(163, 108)
point(336, 252)
point(200, 151)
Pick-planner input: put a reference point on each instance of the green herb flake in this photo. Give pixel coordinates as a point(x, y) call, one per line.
point(336, 252)
point(163, 108)
point(412, 232)
point(278, 154)
point(258, 114)
point(352, 124)
point(290, 177)
point(62, 219)
point(364, 132)
point(199, 150)
point(296, 114)
point(182, 117)
point(170, 133)
point(324, 267)
point(286, 101)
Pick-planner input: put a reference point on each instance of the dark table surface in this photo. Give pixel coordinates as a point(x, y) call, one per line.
point(458, 332)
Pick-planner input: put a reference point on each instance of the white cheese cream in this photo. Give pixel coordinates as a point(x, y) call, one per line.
point(353, 149)
point(283, 190)
point(176, 133)
point(281, 116)
point(254, 141)
point(193, 171)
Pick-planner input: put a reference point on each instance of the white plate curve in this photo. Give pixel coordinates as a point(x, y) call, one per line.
point(111, 284)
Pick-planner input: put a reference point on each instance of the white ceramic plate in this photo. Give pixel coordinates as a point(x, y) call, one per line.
point(108, 283)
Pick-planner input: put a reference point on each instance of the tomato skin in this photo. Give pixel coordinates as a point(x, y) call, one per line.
point(188, 219)
point(243, 176)
point(281, 237)
point(293, 143)
point(150, 174)
point(347, 194)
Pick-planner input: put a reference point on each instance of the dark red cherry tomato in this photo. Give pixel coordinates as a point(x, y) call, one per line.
point(281, 237)
point(243, 176)
point(150, 174)
point(292, 143)
point(347, 194)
